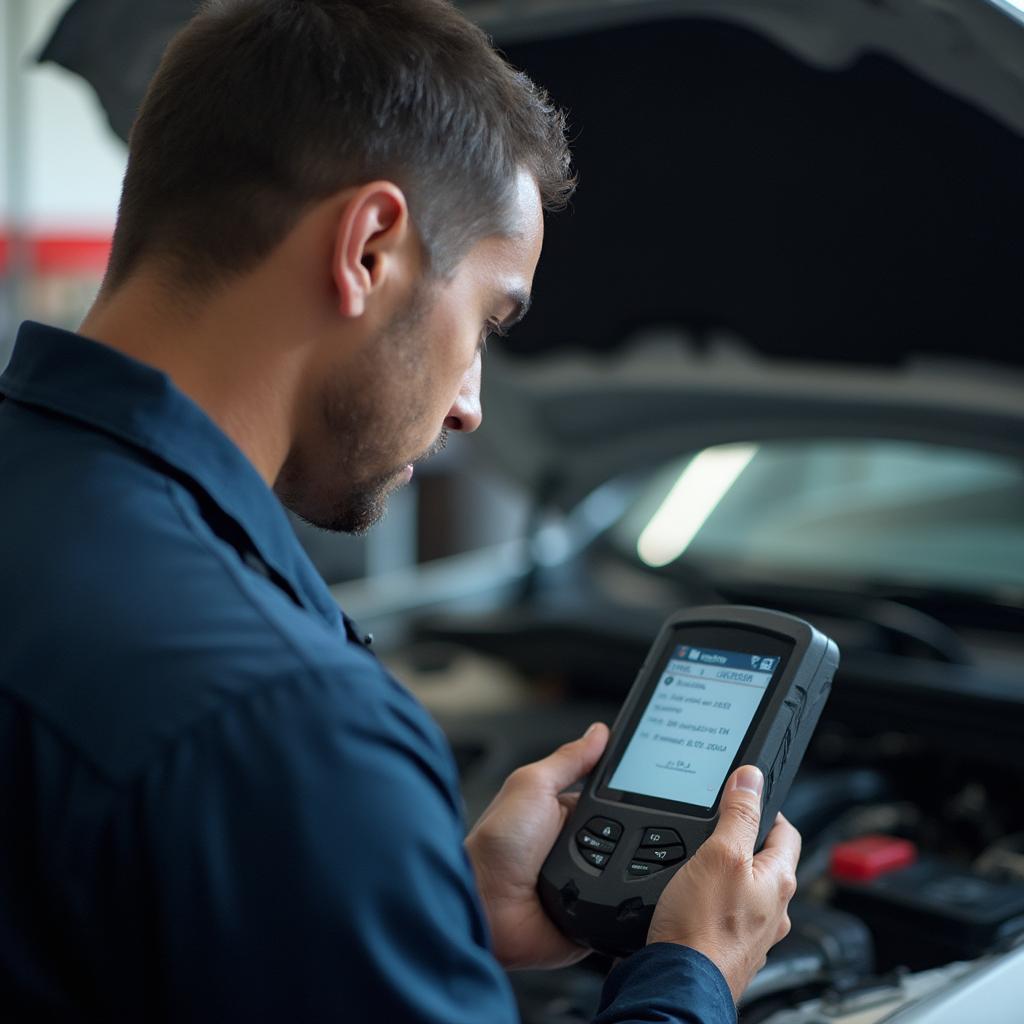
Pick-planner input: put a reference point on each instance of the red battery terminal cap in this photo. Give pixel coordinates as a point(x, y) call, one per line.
point(861, 860)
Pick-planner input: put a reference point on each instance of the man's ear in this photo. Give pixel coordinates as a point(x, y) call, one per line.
point(370, 237)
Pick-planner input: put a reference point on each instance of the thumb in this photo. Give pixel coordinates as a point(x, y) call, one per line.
point(739, 813)
point(571, 761)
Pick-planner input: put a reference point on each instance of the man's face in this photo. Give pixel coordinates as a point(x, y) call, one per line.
point(411, 383)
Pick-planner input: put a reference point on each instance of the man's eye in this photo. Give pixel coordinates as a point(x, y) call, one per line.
point(489, 328)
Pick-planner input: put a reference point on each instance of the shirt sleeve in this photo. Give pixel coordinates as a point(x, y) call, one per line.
point(666, 984)
point(307, 864)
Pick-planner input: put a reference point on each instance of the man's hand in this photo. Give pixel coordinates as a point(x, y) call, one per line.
point(726, 902)
point(510, 842)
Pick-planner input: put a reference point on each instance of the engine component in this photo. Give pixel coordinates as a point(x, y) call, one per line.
point(933, 912)
point(869, 857)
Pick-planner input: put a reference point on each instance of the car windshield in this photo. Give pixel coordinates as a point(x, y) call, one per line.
point(891, 512)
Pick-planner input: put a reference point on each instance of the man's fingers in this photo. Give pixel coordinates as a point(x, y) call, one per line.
point(739, 813)
point(570, 762)
point(783, 843)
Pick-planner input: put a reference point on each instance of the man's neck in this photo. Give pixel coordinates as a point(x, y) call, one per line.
point(221, 354)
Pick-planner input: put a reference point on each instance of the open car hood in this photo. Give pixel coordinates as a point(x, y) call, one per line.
point(815, 208)
point(795, 218)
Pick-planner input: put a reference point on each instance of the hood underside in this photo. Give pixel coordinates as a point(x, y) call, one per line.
point(852, 194)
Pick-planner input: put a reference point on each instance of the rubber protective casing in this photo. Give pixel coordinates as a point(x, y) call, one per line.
point(609, 910)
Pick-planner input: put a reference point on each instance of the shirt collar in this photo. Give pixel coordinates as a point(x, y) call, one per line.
point(93, 383)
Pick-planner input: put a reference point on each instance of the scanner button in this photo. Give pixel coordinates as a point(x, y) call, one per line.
point(605, 828)
point(597, 859)
point(660, 837)
point(660, 854)
point(591, 842)
point(641, 867)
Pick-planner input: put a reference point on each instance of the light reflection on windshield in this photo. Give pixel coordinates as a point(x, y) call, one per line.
point(706, 479)
point(890, 511)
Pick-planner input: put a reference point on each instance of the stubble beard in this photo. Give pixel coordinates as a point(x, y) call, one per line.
point(367, 503)
point(368, 414)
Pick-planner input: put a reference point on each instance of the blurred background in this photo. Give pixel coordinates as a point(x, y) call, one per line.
point(59, 181)
point(776, 357)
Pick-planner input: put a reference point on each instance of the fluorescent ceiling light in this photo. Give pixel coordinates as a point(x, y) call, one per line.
point(694, 496)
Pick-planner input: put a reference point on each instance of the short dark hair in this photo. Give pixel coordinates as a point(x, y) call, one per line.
point(261, 108)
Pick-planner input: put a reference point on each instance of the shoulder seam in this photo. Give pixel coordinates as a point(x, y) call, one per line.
point(61, 736)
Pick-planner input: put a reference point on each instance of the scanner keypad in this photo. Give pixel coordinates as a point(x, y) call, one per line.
point(596, 840)
point(658, 848)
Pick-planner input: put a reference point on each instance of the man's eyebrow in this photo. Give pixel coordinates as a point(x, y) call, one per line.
point(521, 306)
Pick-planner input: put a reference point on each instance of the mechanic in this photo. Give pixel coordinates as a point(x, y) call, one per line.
point(216, 803)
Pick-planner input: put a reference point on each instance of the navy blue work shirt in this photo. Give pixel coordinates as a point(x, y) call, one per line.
point(215, 804)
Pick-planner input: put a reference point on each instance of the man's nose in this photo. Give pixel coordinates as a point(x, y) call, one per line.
point(466, 415)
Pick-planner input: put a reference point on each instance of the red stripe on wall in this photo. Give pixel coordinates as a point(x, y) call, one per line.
point(61, 254)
